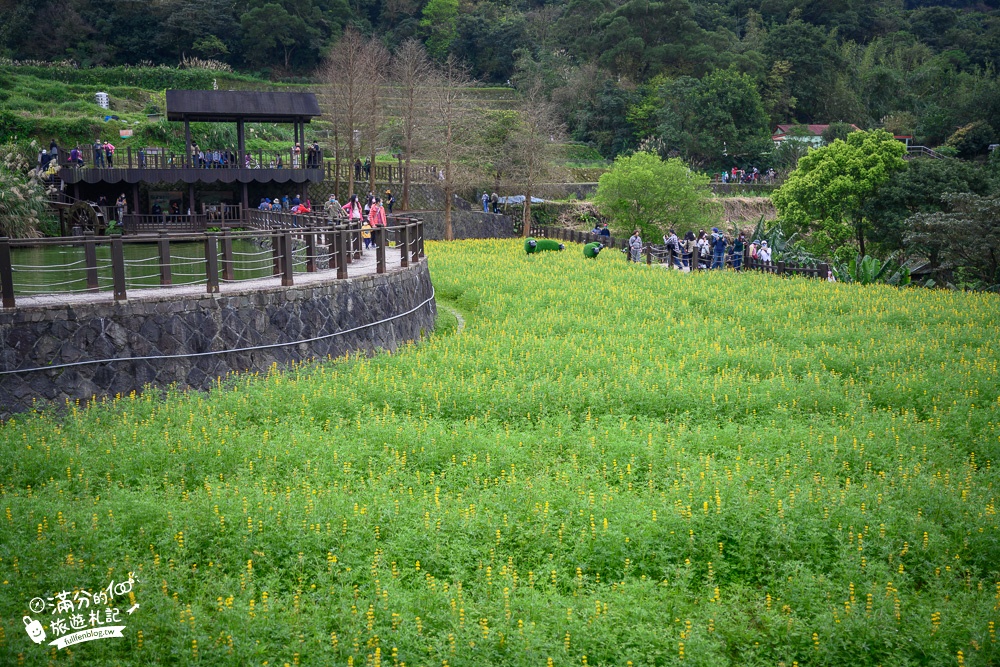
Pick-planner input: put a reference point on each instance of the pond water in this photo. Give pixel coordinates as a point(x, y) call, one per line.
point(51, 269)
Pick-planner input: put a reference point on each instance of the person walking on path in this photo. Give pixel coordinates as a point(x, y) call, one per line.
point(635, 246)
point(366, 235)
point(495, 202)
point(98, 153)
point(390, 201)
point(357, 169)
point(377, 214)
point(486, 202)
point(353, 209)
point(333, 209)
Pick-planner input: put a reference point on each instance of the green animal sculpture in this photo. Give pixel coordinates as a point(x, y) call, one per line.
point(532, 246)
point(592, 250)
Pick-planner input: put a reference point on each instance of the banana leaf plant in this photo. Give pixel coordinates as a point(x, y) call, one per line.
point(869, 270)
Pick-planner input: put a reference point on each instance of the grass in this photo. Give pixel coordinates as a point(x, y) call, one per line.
point(612, 464)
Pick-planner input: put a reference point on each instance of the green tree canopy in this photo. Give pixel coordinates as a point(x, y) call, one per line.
point(642, 191)
point(919, 189)
point(440, 24)
point(714, 121)
point(825, 197)
point(965, 237)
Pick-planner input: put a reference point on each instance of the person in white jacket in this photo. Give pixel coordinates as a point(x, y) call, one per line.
point(764, 254)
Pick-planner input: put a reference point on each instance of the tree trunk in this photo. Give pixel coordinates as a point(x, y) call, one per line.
point(336, 165)
point(526, 231)
point(861, 239)
point(350, 165)
point(405, 204)
point(448, 234)
point(371, 170)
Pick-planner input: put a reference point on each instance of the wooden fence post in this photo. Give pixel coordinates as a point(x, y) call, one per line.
point(310, 252)
point(824, 271)
point(118, 268)
point(211, 264)
point(341, 243)
point(90, 260)
point(227, 255)
point(163, 246)
point(6, 274)
point(781, 268)
point(649, 254)
point(289, 260)
point(276, 252)
point(414, 244)
point(379, 235)
point(404, 243)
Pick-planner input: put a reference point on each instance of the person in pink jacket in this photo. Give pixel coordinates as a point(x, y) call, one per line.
point(353, 209)
point(377, 216)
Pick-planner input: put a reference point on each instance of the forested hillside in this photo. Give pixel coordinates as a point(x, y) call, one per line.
point(704, 78)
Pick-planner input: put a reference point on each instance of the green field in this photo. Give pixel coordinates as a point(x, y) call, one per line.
point(610, 464)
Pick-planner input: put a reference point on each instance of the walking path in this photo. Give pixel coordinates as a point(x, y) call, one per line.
point(356, 269)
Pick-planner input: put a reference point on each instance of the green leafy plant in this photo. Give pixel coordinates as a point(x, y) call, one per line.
point(868, 270)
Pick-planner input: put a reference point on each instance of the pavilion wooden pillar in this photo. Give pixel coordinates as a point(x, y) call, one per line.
point(241, 141)
point(135, 198)
point(192, 208)
point(187, 143)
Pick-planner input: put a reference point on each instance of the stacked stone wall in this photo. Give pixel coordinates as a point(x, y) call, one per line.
point(172, 334)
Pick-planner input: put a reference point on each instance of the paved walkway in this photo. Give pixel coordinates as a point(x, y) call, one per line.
point(358, 268)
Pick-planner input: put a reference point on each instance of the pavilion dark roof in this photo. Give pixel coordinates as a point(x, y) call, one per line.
point(229, 106)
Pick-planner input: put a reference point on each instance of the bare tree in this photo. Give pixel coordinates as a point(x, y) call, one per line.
point(376, 65)
point(344, 73)
point(411, 74)
point(533, 146)
point(454, 141)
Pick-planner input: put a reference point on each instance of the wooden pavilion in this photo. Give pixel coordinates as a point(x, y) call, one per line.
point(223, 165)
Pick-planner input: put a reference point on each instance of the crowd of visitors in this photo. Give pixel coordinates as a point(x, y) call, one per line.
point(103, 156)
point(737, 175)
point(710, 250)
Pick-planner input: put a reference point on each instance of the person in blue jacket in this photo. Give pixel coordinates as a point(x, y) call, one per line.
point(718, 249)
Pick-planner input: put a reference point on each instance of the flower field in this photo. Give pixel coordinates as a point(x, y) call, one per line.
point(611, 464)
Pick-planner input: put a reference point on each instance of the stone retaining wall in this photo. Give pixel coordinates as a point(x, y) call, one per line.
point(164, 325)
point(467, 225)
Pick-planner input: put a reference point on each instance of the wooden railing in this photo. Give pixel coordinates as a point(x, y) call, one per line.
point(305, 250)
point(384, 173)
point(154, 157)
point(660, 254)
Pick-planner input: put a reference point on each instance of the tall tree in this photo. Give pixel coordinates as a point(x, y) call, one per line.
point(532, 146)
point(350, 91)
point(826, 196)
point(411, 74)
point(644, 192)
point(375, 62)
point(716, 120)
point(453, 132)
point(966, 236)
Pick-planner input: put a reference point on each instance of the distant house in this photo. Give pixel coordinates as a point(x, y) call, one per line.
point(810, 134)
